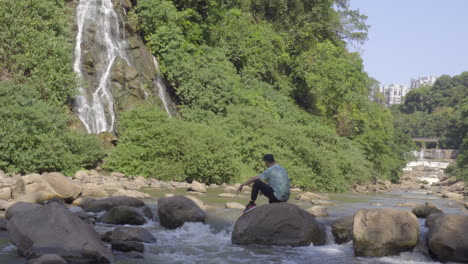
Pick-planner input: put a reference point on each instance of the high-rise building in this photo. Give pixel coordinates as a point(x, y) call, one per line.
point(428, 80)
point(394, 93)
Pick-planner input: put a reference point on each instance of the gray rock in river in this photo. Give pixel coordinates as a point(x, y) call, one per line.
point(125, 233)
point(448, 238)
point(52, 229)
point(423, 211)
point(48, 259)
point(281, 224)
point(384, 232)
point(127, 246)
point(123, 215)
point(111, 202)
point(20, 207)
point(177, 210)
point(342, 229)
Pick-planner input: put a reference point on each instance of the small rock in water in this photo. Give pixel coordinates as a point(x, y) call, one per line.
point(127, 246)
point(342, 229)
point(175, 211)
point(123, 215)
point(167, 195)
point(48, 259)
point(321, 202)
point(197, 187)
point(423, 211)
point(111, 202)
point(308, 196)
point(125, 233)
point(131, 193)
point(228, 195)
point(234, 205)
point(318, 211)
point(451, 195)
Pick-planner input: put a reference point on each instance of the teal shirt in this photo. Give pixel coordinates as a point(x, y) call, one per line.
point(277, 177)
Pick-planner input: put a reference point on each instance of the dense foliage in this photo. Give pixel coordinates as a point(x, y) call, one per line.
point(439, 111)
point(36, 82)
point(35, 136)
point(35, 47)
point(260, 77)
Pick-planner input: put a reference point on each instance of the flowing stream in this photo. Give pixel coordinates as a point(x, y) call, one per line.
point(211, 242)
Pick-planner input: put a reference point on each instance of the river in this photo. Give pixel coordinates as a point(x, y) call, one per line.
point(211, 242)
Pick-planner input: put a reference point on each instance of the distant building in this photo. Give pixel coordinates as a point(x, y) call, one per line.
point(428, 80)
point(394, 93)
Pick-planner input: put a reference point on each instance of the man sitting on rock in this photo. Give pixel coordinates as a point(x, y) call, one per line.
point(276, 188)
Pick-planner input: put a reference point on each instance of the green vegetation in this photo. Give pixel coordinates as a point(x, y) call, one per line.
point(35, 136)
point(439, 111)
point(36, 82)
point(251, 77)
point(256, 77)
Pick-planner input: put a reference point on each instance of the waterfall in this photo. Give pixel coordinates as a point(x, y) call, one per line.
point(162, 89)
point(95, 105)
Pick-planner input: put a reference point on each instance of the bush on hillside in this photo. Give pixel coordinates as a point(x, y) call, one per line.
point(35, 136)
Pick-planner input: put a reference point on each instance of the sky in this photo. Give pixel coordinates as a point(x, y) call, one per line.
point(414, 38)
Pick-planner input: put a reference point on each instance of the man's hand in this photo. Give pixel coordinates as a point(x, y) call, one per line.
point(240, 189)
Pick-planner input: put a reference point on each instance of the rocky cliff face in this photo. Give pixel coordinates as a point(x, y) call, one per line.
point(113, 59)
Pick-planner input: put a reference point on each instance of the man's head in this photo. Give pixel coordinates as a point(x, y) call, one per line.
point(269, 160)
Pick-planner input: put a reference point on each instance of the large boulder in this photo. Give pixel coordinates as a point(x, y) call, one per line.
point(423, 211)
point(53, 183)
point(20, 207)
point(281, 224)
point(123, 215)
point(52, 229)
point(111, 202)
point(177, 210)
point(342, 229)
point(126, 233)
point(448, 238)
point(384, 232)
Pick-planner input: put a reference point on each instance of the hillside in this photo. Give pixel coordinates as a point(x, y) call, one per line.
point(248, 77)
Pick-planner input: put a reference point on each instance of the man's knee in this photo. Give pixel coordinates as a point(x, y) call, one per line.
point(257, 183)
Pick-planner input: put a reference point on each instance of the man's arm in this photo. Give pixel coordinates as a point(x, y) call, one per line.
point(247, 182)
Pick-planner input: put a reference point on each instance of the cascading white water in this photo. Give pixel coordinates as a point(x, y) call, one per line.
point(100, 36)
point(95, 105)
point(162, 89)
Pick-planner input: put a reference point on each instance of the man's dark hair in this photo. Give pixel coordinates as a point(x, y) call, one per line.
point(269, 158)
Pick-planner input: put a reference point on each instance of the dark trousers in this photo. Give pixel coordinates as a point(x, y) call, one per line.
point(266, 189)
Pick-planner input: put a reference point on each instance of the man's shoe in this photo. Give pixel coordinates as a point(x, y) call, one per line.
point(249, 208)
